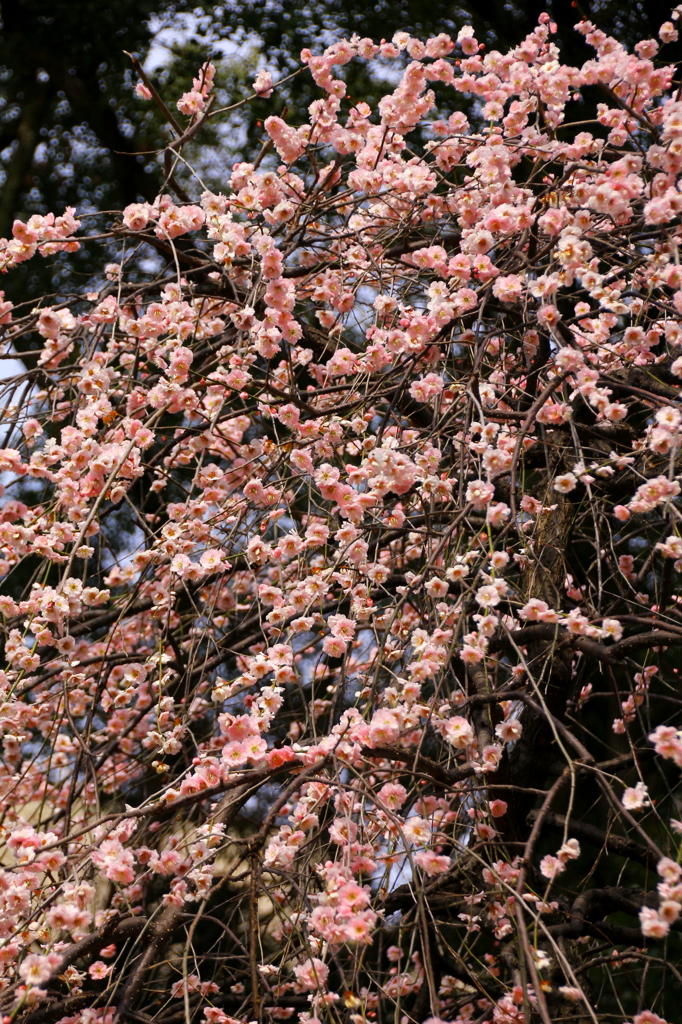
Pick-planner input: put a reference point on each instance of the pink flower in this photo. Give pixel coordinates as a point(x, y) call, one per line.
point(530, 505)
point(509, 731)
point(497, 514)
point(334, 646)
point(653, 926)
point(286, 139)
point(509, 288)
point(565, 483)
point(652, 493)
point(431, 863)
point(669, 911)
point(358, 927)
point(280, 756)
point(479, 493)
point(667, 742)
point(467, 40)
point(488, 596)
point(312, 974)
point(458, 732)
point(646, 1016)
point(436, 588)
point(569, 851)
point(191, 103)
point(384, 728)
point(36, 969)
point(341, 626)
point(669, 870)
point(393, 795)
point(490, 757)
point(636, 797)
point(255, 748)
point(554, 413)
point(136, 216)
point(318, 407)
point(213, 560)
point(550, 866)
point(262, 83)
point(548, 315)
point(99, 970)
point(536, 610)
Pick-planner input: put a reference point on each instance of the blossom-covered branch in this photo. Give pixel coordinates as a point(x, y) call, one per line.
point(340, 538)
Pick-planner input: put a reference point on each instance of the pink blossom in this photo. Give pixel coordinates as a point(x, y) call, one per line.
point(458, 732)
point(335, 646)
point(636, 797)
point(312, 974)
point(262, 83)
point(99, 970)
point(479, 493)
point(509, 731)
point(136, 216)
point(285, 139)
point(550, 866)
point(509, 288)
point(565, 483)
point(467, 40)
point(393, 795)
point(431, 863)
point(669, 870)
point(652, 925)
point(384, 728)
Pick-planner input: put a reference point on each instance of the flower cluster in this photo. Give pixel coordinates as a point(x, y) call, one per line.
point(319, 545)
